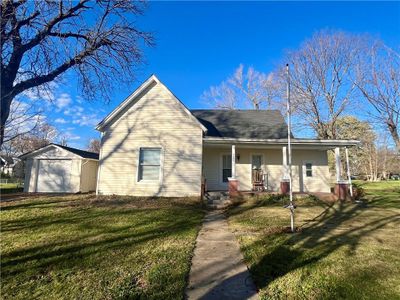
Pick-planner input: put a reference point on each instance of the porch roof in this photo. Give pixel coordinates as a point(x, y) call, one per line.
point(247, 124)
point(279, 143)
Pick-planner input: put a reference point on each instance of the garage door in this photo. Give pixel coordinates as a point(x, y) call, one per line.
point(54, 176)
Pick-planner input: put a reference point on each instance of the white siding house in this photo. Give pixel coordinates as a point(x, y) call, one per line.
point(152, 145)
point(152, 118)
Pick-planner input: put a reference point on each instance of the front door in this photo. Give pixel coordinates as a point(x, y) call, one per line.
point(226, 168)
point(256, 162)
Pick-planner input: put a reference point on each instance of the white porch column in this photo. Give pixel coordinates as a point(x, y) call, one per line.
point(348, 172)
point(338, 165)
point(284, 163)
point(233, 162)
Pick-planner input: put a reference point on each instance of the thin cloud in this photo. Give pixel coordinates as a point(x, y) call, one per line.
point(60, 121)
point(87, 120)
point(63, 101)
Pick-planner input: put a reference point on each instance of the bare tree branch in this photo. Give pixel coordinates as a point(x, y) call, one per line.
point(322, 79)
point(378, 79)
point(43, 40)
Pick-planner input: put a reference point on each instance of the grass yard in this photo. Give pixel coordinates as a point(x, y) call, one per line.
point(80, 247)
point(340, 251)
point(382, 193)
point(7, 188)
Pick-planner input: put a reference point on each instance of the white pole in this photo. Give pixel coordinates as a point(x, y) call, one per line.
point(338, 165)
point(233, 161)
point(348, 171)
point(291, 206)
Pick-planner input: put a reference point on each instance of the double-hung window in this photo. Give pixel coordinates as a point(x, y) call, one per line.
point(309, 170)
point(149, 164)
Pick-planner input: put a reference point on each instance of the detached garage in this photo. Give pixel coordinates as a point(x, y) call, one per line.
point(60, 169)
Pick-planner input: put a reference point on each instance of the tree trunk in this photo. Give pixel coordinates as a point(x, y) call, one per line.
point(395, 135)
point(5, 104)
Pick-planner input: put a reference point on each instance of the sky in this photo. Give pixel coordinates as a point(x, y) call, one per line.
point(199, 44)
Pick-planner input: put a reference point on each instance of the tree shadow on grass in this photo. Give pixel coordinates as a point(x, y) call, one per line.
point(315, 240)
point(98, 237)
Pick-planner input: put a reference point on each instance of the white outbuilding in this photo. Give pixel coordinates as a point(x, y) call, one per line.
point(60, 169)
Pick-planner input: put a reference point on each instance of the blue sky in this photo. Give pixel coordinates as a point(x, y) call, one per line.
point(200, 43)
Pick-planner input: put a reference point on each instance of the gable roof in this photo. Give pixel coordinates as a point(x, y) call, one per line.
point(152, 80)
point(81, 153)
point(250, 124)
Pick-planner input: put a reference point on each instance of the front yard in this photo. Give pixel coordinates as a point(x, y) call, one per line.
point(341, 251)
point(77, 247)
point(80, 247)
point(8, 188)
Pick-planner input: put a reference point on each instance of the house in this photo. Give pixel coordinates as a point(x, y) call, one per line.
point(11, 166)
point(60, 169)
point(153, 145)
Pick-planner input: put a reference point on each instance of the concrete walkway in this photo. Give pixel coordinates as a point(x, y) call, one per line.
point(218, 271)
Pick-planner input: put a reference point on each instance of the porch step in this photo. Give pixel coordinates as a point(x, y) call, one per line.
point(216, 195)
point(217, 200)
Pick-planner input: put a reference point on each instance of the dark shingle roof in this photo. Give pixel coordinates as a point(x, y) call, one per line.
point(82, 153)
point(257, 124)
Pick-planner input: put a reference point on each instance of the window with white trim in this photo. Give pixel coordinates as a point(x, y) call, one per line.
point(309, 170)
point(149, 164)
point(226, 167)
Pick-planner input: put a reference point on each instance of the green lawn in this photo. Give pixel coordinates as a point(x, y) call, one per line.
point(77, 247)
point(7, 188)
point(340, 251)
point(382, 193)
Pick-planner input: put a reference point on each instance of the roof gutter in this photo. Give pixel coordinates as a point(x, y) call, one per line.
point(303, 142)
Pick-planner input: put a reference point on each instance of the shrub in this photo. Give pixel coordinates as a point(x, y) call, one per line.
point(358, 191)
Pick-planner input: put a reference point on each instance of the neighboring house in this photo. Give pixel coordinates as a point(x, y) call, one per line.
point(152, 145)
point(60, 169)
point(11, 166)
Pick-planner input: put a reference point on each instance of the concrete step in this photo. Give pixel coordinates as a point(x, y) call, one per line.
point(220, 201)
point(218, 204)
point(216, 195)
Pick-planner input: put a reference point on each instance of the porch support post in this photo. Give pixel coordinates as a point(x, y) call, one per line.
point(233, 161)
point(338, 165)
point(348, 172)
point(285, 182)
point(341, 188)
point(233, 185)
point(284, 162)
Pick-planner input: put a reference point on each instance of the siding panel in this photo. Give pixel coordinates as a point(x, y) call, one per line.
point(156, 120)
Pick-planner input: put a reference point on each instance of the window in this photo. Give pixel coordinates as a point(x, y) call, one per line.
point(308, 169)
point(226, 167)
point(149, 164)
point(256, 162)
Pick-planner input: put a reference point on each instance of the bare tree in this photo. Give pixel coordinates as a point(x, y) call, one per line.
point(40, 136)
point(322, 79)
point(364, 156)
point(23, 118)
point(41, 40)
point(243, 89)
point(94, 146)
point(378, 78)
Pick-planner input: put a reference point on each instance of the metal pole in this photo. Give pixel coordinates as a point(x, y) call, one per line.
point(348, 171)
point(291, 206)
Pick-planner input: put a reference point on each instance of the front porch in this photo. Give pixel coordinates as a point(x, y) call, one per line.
point(261, 165)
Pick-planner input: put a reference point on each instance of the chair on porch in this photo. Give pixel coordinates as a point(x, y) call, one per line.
point(258, 180)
